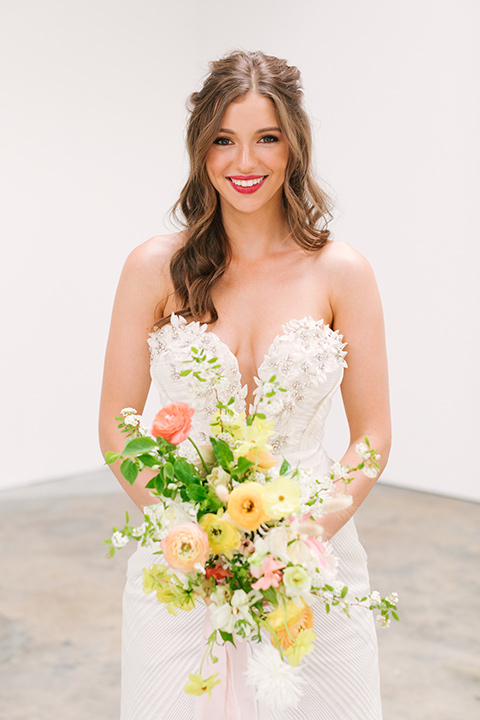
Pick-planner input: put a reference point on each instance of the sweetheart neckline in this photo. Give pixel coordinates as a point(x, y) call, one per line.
point(202, 328)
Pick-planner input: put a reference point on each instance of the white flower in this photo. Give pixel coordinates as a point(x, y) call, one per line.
point(139, 531)
point(128, 411)
point(221, 595)
point(362, 450)
point(296, 580)
point(375, 597)
point(218, 476)
point(187, 451)
point(222, 617)
point(119, 540)
point(383, 621)
point(370, 472)
point(393, 598)
point(133, 420)
point(276, 683)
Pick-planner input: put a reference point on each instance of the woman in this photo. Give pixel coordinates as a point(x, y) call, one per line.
point(254, 256)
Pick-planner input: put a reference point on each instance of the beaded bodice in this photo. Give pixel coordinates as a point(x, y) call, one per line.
point(296, 380)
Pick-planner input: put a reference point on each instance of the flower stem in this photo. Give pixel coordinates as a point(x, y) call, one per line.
point(273, 634)
point(199, 455)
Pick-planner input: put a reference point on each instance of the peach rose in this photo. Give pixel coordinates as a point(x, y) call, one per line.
point(184, 546)
point(262, 458)
point(173, 422)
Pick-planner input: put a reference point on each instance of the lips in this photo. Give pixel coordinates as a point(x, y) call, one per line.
point(247, 184)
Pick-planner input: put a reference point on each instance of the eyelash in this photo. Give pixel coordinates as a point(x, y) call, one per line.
point(224, 141)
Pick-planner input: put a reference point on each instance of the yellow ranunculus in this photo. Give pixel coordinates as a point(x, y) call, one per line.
point(196, 685)
point(245, 505)
point(302, 646)
point(289, 621)
point(223, 537)
point(282, 497)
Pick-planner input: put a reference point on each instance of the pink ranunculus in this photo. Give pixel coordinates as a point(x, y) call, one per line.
point(173, 422)
point(271, 577)
point(185, 546)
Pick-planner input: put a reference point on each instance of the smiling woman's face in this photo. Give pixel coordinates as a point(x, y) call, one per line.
point(247, 161)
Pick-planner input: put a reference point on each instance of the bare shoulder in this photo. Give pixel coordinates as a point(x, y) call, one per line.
point(343, 263)
point(154, 255)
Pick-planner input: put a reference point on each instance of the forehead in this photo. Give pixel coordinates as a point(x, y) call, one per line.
point(252, 111)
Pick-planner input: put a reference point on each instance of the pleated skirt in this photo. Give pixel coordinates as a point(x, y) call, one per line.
point(159, 651)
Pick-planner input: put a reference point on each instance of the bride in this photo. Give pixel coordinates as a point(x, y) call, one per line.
point(256, 264)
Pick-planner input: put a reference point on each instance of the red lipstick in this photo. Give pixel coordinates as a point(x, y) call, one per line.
point(236, 181)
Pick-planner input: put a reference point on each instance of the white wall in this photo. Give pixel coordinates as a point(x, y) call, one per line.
point(92, 158)
point(95, 158)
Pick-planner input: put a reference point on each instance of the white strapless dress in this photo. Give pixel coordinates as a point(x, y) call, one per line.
point(159, 651)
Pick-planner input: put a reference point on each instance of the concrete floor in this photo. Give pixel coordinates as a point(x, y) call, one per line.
point(60, 601)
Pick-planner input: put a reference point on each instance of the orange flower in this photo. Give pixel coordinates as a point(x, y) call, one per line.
point(298, 618)
point(185, 546)
point(245, 505)
point(262, 458)
point(173, 422)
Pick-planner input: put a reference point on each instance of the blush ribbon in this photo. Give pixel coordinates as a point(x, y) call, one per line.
point(233, 699)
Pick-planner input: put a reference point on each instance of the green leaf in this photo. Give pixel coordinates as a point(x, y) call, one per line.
point(139, 445)
point(184, 471)
point(129, 470)
point(197, 493)
point(394, 615)
point(222, 452)
point(243, 465)
point(156, 483)
point(149, 460)
point(184, 373)
point(168, 473)
point(227, 637)
point(110, 457)
point(285, 467)
point(344, 591)
point(270, 595)
point(327, 608)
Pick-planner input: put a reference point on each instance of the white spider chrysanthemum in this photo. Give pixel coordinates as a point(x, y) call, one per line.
point(276, 683)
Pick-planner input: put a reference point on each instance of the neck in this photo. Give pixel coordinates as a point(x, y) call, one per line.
point(253, 235)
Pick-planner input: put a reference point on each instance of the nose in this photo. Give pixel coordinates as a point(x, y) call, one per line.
point(246, 159)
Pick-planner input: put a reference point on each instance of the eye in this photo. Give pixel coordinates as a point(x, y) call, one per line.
point(269, 139)
point(222, 141)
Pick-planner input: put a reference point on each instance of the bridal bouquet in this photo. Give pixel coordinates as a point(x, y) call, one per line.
point(241, 532)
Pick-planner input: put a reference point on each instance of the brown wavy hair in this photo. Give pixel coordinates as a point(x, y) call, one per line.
point(202, 260)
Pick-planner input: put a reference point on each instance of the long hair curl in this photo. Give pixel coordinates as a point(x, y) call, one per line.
point(202, 260)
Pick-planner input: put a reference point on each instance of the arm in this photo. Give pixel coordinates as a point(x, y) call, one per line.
point(357, 314)
point(144, 282)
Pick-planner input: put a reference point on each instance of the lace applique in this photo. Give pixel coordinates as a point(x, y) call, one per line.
point(175, 342)
point(302, 357)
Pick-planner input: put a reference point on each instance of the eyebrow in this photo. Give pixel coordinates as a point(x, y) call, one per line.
point(262, 130)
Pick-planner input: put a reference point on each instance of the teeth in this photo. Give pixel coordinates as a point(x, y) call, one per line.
point(247, 183)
